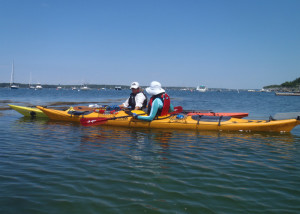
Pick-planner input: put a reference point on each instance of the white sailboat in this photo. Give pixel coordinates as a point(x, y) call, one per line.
point(12, 84)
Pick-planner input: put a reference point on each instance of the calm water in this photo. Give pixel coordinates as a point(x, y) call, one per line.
point(58, 167)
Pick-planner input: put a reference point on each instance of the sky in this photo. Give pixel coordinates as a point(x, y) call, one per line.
point(237, 44)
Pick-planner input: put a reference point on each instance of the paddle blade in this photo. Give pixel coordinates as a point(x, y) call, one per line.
point(93, 121)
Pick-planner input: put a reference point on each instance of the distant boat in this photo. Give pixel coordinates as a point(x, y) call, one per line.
point(74, 88)
point(38, 87)
point(58, 87)
point(12, 84)
point(265, 90)
point(118, 88)
point(201, 88)
point(85, 88)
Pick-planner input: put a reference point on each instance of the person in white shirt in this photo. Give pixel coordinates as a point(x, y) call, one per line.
point(137, 99)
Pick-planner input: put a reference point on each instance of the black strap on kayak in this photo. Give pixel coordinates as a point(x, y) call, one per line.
point(210, 118)
point(198, 120)
point(197, 117)
point(219, 124)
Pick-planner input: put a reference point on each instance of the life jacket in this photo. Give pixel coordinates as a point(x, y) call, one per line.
point(132, 103)
point(166, 104)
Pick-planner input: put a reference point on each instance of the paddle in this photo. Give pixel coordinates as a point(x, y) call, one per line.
point(86, 108)
point(93, 121)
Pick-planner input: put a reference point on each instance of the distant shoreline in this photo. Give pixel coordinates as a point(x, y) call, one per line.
point(102, 86)
point(123, 87)
point(127, 87)
point(92, 86)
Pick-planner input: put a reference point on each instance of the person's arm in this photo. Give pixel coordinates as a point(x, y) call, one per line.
point(125, 104)
point(157, 104)
point(139, 100)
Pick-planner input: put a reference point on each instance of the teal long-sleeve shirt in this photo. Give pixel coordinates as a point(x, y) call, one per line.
point(156, 105)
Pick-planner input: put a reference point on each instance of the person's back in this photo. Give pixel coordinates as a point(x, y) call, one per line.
point(159, 104)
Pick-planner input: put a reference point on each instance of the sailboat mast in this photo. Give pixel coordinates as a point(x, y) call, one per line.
point(12, 84)
point(29, 80)
point(12, 74)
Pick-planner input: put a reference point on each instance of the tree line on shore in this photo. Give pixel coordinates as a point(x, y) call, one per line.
point(288, 85)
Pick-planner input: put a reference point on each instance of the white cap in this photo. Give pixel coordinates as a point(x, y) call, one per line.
point(155, 88)
point(135, 85)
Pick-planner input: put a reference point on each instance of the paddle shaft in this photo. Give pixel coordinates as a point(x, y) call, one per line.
point(100, 120)
point(86, 108)
point(93, 121)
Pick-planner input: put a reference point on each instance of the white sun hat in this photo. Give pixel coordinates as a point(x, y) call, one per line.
point(134, 85)
point(155, 88)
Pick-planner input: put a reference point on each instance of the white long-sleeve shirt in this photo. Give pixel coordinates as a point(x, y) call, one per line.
point(139, 100)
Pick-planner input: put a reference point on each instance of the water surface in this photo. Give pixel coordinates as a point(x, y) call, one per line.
point(59, 167)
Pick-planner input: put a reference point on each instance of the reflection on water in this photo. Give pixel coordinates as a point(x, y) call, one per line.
point(119, 138)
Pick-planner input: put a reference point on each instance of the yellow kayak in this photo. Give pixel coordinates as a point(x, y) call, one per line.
point(28, 111)
point(188, 122)
point(31, 111)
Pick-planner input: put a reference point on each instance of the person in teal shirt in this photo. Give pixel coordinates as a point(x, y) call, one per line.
point(159, 104)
